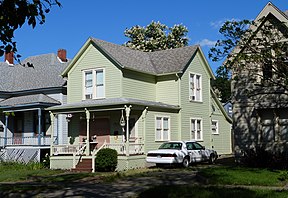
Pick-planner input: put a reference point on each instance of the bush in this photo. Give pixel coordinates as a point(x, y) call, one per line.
point(106, 160)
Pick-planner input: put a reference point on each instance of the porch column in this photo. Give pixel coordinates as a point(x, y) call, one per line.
point(52, 132)
point(87, 152)
point(5, 129)
point(39, 127)
point(127, 111)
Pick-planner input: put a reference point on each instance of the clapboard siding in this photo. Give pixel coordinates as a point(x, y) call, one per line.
point(92, 59)
point(167, 89)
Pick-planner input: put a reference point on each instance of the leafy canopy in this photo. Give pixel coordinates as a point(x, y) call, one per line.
point(156, 36)
point(262, 43)
point(14, 13)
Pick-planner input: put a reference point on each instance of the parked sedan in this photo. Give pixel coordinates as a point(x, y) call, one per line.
point(180, 152)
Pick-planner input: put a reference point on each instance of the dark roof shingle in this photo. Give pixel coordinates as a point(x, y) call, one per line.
point(158, 62)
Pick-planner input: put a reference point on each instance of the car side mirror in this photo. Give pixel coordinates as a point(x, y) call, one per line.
point(203, 147)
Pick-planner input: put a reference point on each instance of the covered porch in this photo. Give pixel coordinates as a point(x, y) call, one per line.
point(117, 123)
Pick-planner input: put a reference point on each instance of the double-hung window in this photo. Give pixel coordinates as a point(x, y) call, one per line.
point(196, 129)
point(162, 128)
point(195, 87)
point(94, 86)
point(214, 124)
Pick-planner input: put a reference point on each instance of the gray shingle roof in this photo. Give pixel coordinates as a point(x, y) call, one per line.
point(286, 12)
point(28, 100)
point(44, 74)
point(113, 101)
point(158, 62)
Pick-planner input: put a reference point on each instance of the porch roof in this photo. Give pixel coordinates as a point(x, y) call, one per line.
point(112, 102)
point(28, 100)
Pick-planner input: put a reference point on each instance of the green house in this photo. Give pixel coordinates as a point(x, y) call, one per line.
point(132, 101)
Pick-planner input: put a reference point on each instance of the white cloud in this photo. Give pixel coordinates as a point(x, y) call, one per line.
point(219, 23)
point(206, 42)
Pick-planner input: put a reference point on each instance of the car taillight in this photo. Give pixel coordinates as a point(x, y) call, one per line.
point(169, 155)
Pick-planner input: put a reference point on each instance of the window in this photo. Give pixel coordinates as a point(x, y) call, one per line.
point(162, 128)
point(267, 70)
point(196, 129)
point(195, 87)
point(214, 124)
point(94, 84)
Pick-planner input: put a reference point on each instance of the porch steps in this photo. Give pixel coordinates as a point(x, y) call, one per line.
point(85, 165)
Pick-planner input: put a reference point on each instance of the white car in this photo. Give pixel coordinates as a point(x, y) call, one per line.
point(180, 152)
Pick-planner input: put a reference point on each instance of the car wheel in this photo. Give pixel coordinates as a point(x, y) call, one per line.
point(185, 162)
point(212, 159)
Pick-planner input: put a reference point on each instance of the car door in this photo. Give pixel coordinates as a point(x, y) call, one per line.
point(201, 154)
point(194, 152)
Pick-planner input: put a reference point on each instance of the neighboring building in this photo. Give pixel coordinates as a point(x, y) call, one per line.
point(26, 89)
point(114, 92)
point(260, 108)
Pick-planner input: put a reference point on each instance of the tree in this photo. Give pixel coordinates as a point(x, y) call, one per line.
point(222, 84)
point(261, 43)
point(156, 36)
point(15, 13)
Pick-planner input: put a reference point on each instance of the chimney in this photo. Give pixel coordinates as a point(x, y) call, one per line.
point(62, 55)
point(9, 58)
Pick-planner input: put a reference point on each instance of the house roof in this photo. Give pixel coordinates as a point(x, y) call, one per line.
point(155, 63)
point(45, 73)
point(28, 100)
point(113, 102)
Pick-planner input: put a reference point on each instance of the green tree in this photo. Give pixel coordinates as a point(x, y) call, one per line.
point(156, 36)
point(15, 13)
point(262, 43)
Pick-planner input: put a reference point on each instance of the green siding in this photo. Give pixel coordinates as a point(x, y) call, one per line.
point(150, 121)
point(90, 59)
point(138, 85)
point(195, 109)
point(167, 89)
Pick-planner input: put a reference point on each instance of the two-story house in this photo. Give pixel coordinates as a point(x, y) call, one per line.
point(133, 101)
point(26, 89)
point(259, 96)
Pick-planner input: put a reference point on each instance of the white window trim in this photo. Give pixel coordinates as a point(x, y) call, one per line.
point(217, 127)
point(94, 96)
point(201, 133)
point(201, 87)
point(155, 127)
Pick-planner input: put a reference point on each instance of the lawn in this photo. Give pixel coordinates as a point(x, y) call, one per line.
point(244, 176)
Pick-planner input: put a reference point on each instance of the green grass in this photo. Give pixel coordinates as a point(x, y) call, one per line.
point(243, 176)
point(209, 192)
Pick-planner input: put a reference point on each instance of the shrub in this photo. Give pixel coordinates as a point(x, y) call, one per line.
point(106, 160)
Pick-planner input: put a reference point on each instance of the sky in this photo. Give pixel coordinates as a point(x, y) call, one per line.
point(69, 27)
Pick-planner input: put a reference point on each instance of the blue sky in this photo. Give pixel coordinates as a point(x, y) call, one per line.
point(70, 26)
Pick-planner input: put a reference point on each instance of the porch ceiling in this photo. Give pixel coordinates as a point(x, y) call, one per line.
point(28, 101)
point(111, 103)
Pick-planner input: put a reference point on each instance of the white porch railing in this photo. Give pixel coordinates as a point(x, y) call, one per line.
point(29, 141)
point(134, 149)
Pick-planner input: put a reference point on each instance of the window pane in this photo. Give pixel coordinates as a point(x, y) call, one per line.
point(99, 77)
point(198, 135)
point(158, 134)
point(158, 123)
point(165, 123)
point(88, 79)
point(198, 125)
point(165, 134)
point(100, 91)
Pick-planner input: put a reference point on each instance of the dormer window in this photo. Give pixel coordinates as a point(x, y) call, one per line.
point(93, 81)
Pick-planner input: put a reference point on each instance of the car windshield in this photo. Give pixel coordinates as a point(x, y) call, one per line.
point(171, 145)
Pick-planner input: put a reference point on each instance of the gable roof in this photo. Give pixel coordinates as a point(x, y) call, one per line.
point(269, 9)
point(156, 63)
point(45, 73)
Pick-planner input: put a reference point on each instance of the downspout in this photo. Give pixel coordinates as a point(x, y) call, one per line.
point(5, 129)
point(87, 132)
